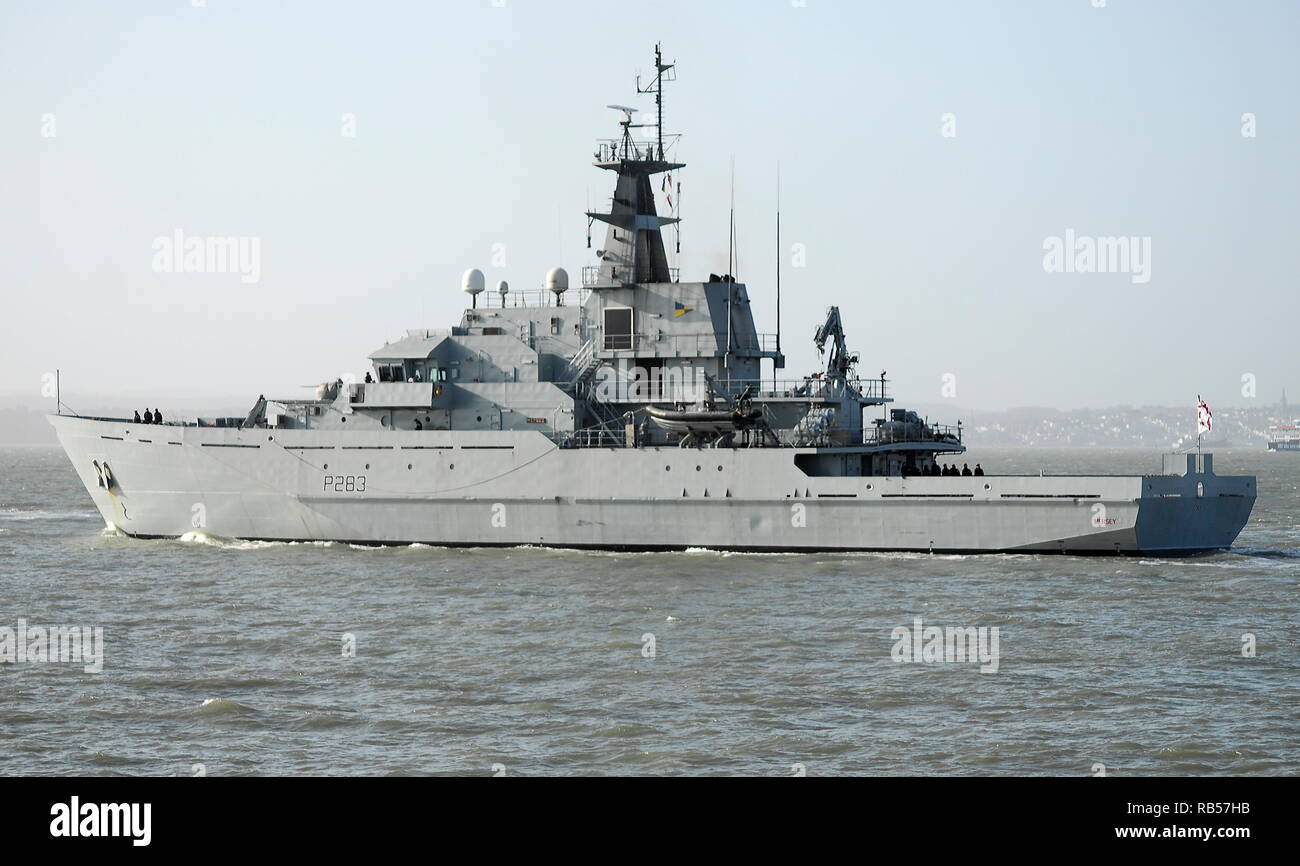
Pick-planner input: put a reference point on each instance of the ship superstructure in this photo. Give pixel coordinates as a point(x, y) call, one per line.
point(1284, 437)
point(633, 411)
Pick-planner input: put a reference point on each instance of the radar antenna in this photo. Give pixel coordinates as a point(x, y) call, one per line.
point(628, 126)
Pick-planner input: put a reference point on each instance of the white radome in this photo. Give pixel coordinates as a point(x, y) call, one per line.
point(557, 280)
point(473, 281)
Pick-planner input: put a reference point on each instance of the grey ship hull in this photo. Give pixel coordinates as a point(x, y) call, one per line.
point(519, 488)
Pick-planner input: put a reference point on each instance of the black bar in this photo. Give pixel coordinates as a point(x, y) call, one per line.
point(328, 816)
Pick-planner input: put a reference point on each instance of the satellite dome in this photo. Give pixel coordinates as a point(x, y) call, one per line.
point(473, 281)
point(503, 287)
point(557, 280)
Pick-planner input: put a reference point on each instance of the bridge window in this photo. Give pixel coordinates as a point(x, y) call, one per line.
point(618, 328)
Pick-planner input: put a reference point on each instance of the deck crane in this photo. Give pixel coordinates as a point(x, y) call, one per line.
point(841, 361)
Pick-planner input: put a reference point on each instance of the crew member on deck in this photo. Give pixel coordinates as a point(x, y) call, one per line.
point(418, 425)
point(978, 470)
point(148, 417)
point(157, 415)
point(965, 469)
point(137, 416)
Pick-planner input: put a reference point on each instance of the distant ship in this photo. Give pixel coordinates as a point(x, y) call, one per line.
point(1284, 437)
point(638, 416)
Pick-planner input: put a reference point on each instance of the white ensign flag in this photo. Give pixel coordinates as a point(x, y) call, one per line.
point(1204, 419)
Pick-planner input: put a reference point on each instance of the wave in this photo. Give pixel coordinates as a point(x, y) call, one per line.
point(17, 514)
point(107, 759)
point(1268, 552)
point(221, 706)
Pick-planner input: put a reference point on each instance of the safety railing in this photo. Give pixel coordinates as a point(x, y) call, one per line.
point(708, 344)
point(937, 433)
point(809, 388)
point(591, 276)
point(616, 149)
point(532, 298)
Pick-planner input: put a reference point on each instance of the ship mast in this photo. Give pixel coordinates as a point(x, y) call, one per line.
point(657, 88)
point(634, 248)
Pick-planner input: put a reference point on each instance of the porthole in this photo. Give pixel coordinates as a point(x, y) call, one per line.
point(868, 486)
point(344, 420)
point(326, 466)
point(698, 468)
point(719, 468)
point(986, 487)
point(451, 465)
point(480, 418)
point(668, 469)
point(408, 466)
point(367, 465)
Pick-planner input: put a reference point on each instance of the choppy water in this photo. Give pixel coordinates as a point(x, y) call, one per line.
point(229, 654)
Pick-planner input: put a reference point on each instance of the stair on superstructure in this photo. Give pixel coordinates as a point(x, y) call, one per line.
point(583, 365)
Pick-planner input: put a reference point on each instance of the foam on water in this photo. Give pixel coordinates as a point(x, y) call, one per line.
point(204, 539)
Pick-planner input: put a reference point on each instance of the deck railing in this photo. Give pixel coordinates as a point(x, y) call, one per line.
point(809, 387)
point(591, 276)
point(938, 433)
point(615, 149)
point(703, 345)
point(531, 298)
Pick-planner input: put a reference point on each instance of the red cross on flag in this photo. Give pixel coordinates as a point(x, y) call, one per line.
point(1204, 419)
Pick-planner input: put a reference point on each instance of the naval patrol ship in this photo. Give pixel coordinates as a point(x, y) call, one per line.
point(632, 412)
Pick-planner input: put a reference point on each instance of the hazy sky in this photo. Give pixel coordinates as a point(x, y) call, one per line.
point(475, 124)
